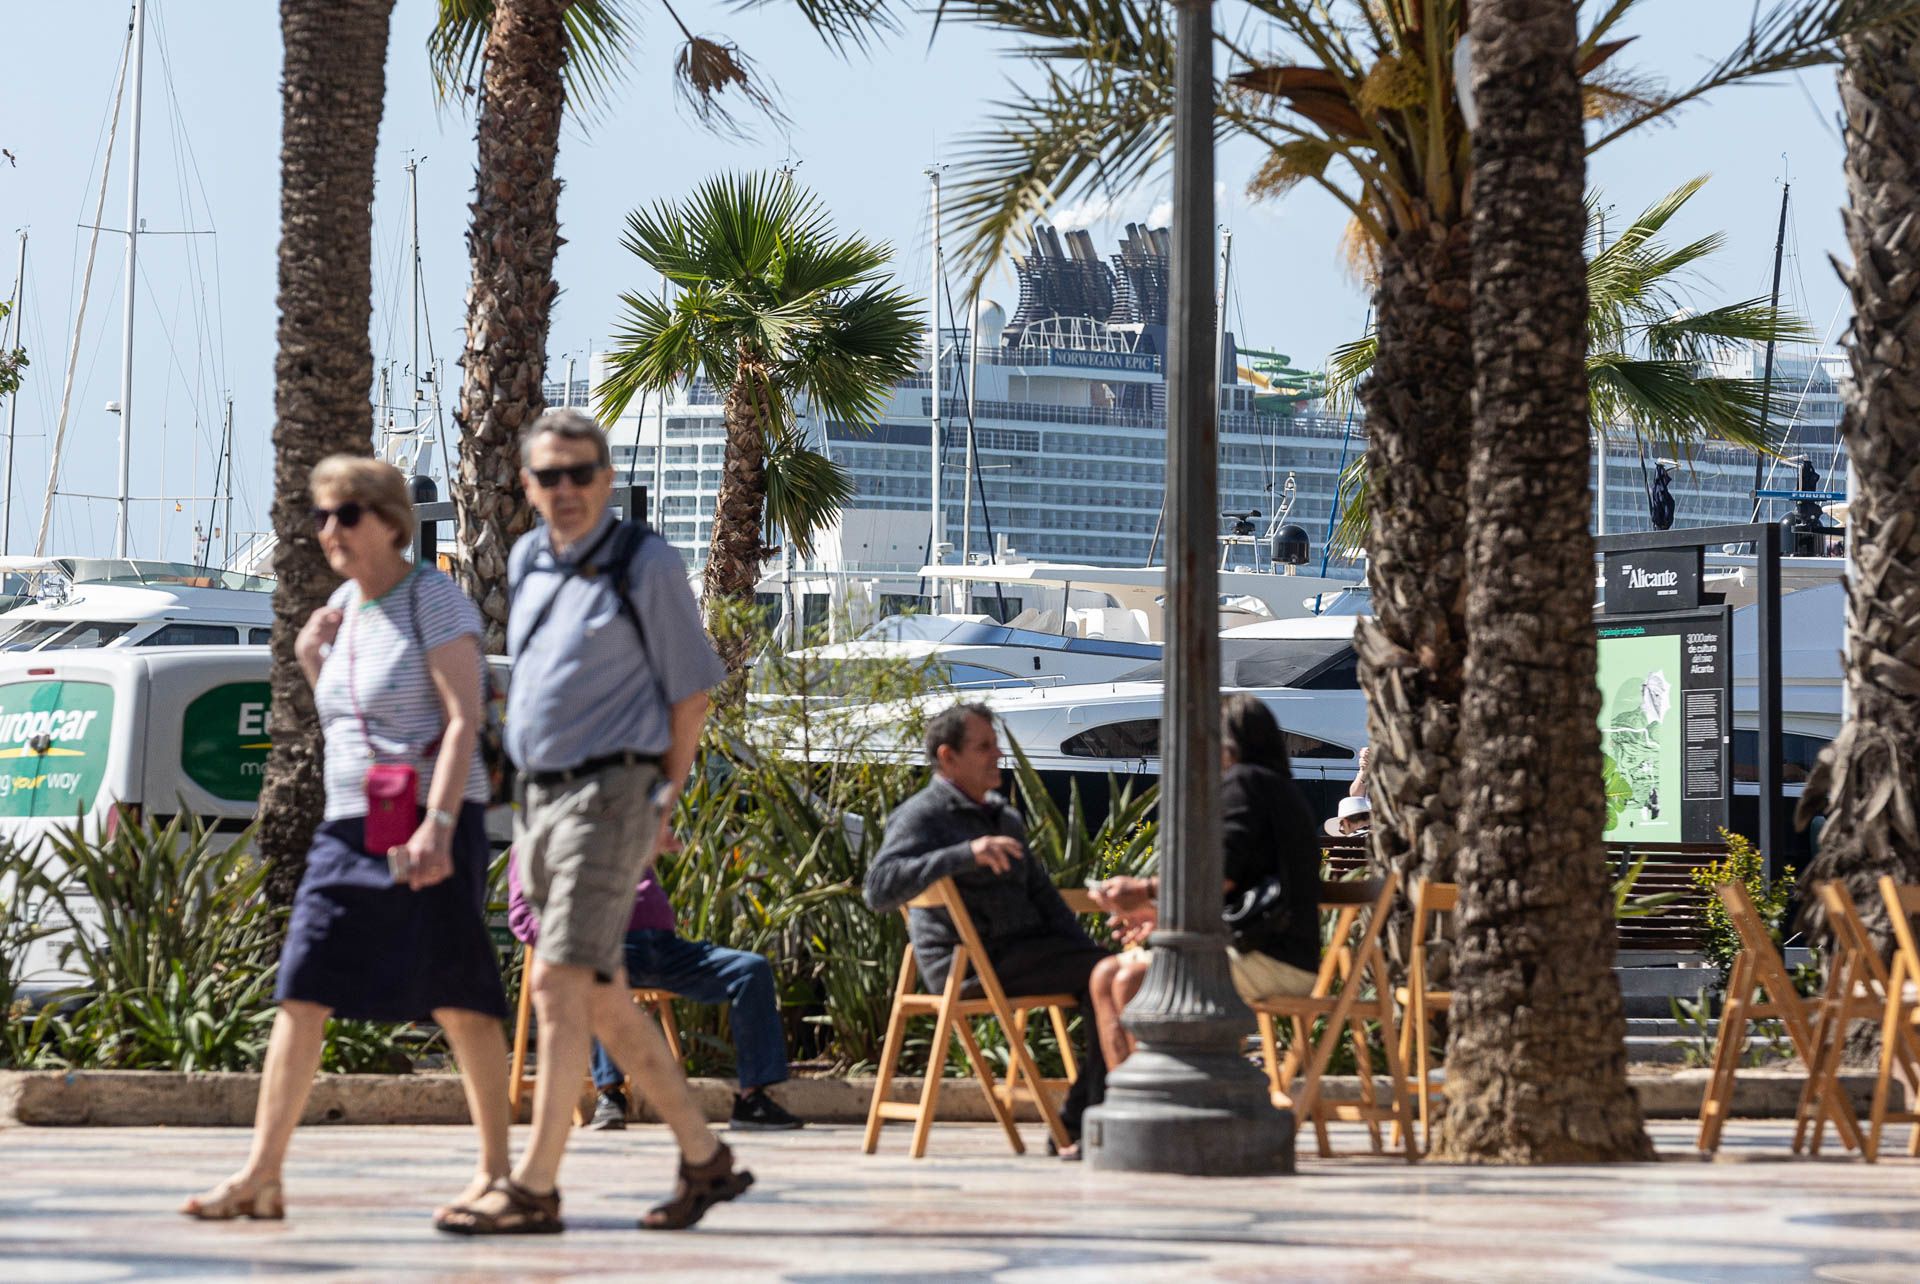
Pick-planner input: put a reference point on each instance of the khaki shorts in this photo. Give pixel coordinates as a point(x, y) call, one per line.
point(1261, 976)
point(582, 848)
point(1255, 976)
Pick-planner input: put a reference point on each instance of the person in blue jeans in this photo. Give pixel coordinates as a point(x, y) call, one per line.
point(659, 958)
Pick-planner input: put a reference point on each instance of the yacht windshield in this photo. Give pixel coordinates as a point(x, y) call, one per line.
point(29, 635)
point(128, 571)
point(1320, 664)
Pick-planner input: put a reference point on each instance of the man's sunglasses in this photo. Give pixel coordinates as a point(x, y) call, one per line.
point(578, 474)
point(348, 515)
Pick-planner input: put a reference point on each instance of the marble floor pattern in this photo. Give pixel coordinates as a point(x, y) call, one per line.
point(97, 1204)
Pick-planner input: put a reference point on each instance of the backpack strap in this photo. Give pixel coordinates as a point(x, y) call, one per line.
point(620, 544)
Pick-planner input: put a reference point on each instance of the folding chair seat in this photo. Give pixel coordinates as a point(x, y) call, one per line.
point(952, 1011)
point(1758, 967)
point(519, 1081)
point(1418, 1001)
point(1901, 1020)
point(1353, 961)
point(1857, 990)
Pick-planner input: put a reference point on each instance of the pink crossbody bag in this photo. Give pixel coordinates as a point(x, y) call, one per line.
point(392, 788)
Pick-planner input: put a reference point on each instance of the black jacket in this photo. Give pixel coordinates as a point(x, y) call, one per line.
point(929, 837)
point(1269, 831)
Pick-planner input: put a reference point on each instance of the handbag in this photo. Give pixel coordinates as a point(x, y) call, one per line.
point(1258, 917)
point(392, 788)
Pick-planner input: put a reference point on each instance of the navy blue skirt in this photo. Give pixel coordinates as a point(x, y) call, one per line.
point(374, 951)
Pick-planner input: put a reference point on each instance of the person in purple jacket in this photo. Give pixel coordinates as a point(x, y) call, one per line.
point(659, 958)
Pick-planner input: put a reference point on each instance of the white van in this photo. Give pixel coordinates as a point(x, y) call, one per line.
point(84, 730)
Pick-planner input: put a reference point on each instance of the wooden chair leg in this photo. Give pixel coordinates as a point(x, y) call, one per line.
point(663, 1009)
point(517, 1071)
point(1727, 1046)
point(936, 1065)
point(889, 1053)
point(1068, 1061)
point(1423, 1054)
point(1002, 1108)
point(1270, 1058)
point(1363, 1069)
point(1396, 1064)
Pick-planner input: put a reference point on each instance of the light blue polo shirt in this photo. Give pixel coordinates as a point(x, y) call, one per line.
point(584, 686)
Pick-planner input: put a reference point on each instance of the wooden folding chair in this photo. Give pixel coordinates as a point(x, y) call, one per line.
point(1354, 960)
point(1418, 1002)
point(518, 1080)
point(952, 1013)
point(1758, 967)
point(1857, 990)
point(1902, 1016)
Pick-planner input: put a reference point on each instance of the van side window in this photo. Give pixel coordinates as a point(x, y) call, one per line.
point(259, 637)
point(178, 634)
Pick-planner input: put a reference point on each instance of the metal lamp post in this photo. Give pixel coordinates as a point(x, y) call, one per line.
point(1186, 1101)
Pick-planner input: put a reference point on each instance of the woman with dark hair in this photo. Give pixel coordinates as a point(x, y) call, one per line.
point(1272, 867)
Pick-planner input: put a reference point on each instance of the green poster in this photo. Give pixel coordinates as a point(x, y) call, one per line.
point(223, 741)
point(53, 746)
point(1640, 679)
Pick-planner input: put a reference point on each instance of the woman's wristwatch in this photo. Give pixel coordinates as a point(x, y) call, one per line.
point(441, 819)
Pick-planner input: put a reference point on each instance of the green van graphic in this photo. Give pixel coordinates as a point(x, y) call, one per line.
point(223, 740)
point(54, 737)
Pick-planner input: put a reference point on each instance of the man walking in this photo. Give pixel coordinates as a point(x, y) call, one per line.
point(610, 678)
point(959, 827)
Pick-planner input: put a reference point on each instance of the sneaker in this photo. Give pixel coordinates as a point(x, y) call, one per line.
point(610, 1111)
point(762, 1113)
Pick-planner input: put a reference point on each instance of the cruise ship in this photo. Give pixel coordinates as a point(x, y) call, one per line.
point(1065, 397)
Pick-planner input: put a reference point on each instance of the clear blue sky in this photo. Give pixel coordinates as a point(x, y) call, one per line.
point(862, 131)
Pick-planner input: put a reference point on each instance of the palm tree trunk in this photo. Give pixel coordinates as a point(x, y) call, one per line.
point(1868, 781)
point(512, 241)
point(736, 550)
point(332, 92)
point(1419, 412)
point(1536, 1070)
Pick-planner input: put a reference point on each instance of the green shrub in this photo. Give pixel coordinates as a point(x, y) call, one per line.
point(1743, 865)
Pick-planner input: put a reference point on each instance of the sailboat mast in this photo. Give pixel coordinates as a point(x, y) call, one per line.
point(1766, 377)
point(226, 526)
point(123, 494)
point(973, 453)
point(938, 530)
point(18, 319)
point(413, 255)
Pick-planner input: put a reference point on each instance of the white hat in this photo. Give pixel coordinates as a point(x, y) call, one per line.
point(1352, 805)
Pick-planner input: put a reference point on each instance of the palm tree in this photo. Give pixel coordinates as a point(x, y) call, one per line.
point(530, 55)
point(333, 87)
point(1649, 354)
point(777, 309)
point(1356, 97)
point(1867, 782)
point(1537, 1068)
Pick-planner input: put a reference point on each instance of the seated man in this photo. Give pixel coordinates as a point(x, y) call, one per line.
point(959, 827)
point(1355, 817)
point(658, 958)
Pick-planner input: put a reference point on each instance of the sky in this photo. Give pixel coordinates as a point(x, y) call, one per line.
point(860, 130)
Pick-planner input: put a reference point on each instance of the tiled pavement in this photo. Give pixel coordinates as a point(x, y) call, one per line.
point(97, 1204)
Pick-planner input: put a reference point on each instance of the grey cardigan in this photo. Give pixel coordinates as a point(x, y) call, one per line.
point(930, 837)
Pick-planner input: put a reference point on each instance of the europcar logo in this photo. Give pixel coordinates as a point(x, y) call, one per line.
point(39, 734)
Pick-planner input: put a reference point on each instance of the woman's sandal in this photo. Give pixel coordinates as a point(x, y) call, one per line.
point(228, 1200)
point(699, 1188)
point(506, 1208)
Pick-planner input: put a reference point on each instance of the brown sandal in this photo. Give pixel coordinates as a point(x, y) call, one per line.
point(698, 1189)
point(227, 1201)
point(511, 1209)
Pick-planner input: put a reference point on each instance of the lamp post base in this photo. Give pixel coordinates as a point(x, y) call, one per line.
point(1201, 1114)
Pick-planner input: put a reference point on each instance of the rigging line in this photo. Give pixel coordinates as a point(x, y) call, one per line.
point(218, 315)
point(1800, 400)
point(66, 396)
point(108, 123)
point(966, 393)
point(173, 351)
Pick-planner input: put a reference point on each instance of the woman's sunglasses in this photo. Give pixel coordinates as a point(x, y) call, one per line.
point(578, 474)
point(348, 515)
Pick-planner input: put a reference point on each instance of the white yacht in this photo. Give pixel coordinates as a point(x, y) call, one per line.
point(1066, 624)
point(69, 603)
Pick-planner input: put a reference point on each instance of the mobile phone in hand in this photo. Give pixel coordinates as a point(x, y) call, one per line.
point(398, 865)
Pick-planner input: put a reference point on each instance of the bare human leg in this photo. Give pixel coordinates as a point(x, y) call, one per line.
point(480, 1050)
point(293, 1059)
point(635, 1042)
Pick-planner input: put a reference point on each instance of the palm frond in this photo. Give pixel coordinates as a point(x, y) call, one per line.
point(1671, 404)
point(1348, 365)
point(845, 25)
point(1694, 336)
point(601, 36)
point(806, 491)
point(1790, 35)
